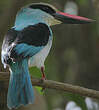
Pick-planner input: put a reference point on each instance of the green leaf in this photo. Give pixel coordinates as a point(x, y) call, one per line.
point(39, 89)
point(35, 72)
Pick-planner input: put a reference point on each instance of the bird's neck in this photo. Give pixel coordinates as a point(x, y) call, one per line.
point(25, 23)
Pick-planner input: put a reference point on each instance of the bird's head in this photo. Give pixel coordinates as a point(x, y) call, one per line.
point(45, 13)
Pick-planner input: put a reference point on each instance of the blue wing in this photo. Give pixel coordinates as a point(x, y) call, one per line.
point(24, 50)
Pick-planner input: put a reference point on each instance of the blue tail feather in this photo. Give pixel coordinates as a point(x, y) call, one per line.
point(20, 91)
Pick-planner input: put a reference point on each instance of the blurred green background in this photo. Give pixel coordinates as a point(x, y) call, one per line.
point(74, 56)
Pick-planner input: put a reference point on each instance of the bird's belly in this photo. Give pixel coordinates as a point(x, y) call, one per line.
point(39, 58)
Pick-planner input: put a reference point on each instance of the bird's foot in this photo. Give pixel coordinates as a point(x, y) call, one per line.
point(43, 77)
point(43, 74)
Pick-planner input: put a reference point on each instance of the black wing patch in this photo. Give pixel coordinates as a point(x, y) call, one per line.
point(9, 38)
point(36, 35)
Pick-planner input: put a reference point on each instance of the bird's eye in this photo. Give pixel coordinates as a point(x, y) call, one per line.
point(45, 8)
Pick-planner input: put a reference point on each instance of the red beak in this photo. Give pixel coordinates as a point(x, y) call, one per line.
point(71, 19)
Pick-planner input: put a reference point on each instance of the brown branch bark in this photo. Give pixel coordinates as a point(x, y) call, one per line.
point(4, 77)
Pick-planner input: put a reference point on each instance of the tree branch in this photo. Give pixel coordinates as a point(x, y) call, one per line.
point(56, 85)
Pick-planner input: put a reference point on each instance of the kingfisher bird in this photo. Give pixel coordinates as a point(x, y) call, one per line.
point(29, 42)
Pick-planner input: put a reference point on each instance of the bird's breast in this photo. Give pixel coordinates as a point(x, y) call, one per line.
point(39, 58)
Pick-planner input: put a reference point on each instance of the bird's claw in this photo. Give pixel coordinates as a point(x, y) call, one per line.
point(43, 78)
